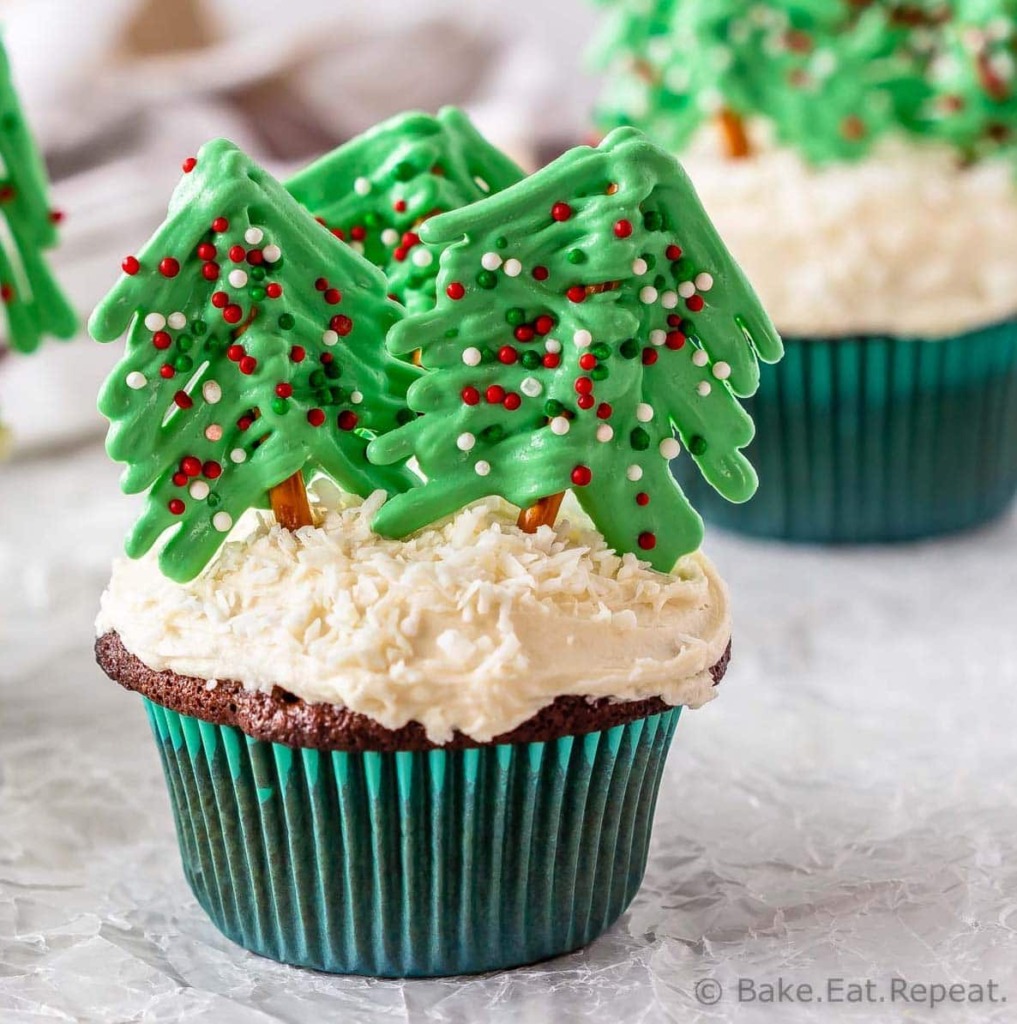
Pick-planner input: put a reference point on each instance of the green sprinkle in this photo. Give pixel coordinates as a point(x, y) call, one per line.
point(404, 170)
point(333, 371)
point(337, 395)
point(452, 332)
point(600, 350)
point(697, 445)
point(487, 279)
point(660, 282)
point(280, 406)
point(323, 396)
point(501, 242)
point(185, 343)
point(287, 322)
point(404, 416)
point(650, 260)
point(530, 359)
point(317, 378)
point(576, 256)
point(652, 221)
point(629, 349)
point(552, 407)
point(492, 434)
point(515, 316)
point(371, 219)
point(257, 273)
point(257, 294)
point(183, 364)
point(198, 327)
point(639, 439)
point(213, 499)
point(600, 373)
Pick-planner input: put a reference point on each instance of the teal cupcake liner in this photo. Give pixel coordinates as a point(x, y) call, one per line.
point(416, 863)
point(874, 439)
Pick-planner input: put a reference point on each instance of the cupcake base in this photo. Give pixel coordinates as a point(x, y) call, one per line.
point(417, 863)
point(875, 439)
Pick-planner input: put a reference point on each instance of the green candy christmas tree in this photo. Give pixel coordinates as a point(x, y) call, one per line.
point(583, 316)
point(377, 190)
point(34, 303)
point(255, 354)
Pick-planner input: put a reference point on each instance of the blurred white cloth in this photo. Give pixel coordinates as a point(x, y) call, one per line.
point(116, 119)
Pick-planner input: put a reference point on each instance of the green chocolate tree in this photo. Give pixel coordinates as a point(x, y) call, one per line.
point(255, 353)
point(584, 315)
point(376, 191)
point(35, 305)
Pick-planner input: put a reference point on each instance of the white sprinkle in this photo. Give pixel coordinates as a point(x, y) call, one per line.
point(471, 356)
point(356, 397)
point(669, 300)
point(272, 253)
point(362, 186)
point(238, 455)
point(357, 247)
point(177, 321)
point(482, 468)
point(639, 267)
point(199, 490)
point(670, 448)
point(605, 432)
point(648, 294)
point(634, 473)
point(329, 338)
point(252, 236)
point(465, 442)
point(213, 432)
point(582, 338)
point(552, 345)
point(155, 321)
point(482, 185)
point(721, 370)
point(222, 521)
point(238, 278)
point(700, 358)
point(704, 281)
point(422, 257)
point(644, 412)
point(211, 392)
point(686, 289)
point(390, 236)
point(531, 387)
point(513, 268)
point(490, 261)
point(560, 426)
point(658, 337)
point(703, 388)
point(136, 380)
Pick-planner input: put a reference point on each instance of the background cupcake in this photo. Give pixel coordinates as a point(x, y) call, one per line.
point(860, 161)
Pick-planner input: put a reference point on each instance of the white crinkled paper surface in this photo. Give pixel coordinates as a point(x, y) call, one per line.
point(845, 809)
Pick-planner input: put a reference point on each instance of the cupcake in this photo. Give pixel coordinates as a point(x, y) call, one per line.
point(859, 161)
point(415, 723)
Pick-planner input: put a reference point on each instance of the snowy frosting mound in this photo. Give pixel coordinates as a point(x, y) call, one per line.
point(469, 625)
point(907, 242)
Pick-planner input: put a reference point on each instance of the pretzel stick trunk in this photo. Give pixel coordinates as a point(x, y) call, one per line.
point(542, 513)
point(733, 136)
point(288, 499)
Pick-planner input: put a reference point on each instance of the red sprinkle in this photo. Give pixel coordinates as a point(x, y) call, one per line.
point(584, 385)
point(183, 400)
point(210, 271)
point(316, 417)
point(507, 355)
point(604, 411)
point(166, 372)
point(189, 164)
point(235, 353)
point(180, 479)
point(399, 206)
point(495, 394)
point(169, 267)
point(206, 251)
point(623, 228)
point(333, 296)
point(255, 257)
point(237, 253)
point(220, 224)
point(540, 273)
point(552, 360)
point(524, 333)
point(581, 476)
point(321, 284)
point(274, 290)
point(642, 498)
point(298, 353)
point(543, 324)
point(455, 291)
point(233, 314)
point(176, 506)
point(577, 293)
point(161, 340)
point(470, 395)
point(284, 390)
point(212, 470)
point(673, 252)
point(695, 303)
point(220, 299)
point(190, 466)
point(512, 401)
point(130, 265)
point(649, 356)
point(647, 541)
point(587, 361)
point(347, 420)
point(248, 365)
point(585, 401)
point(358, 233)
point(675, 339)
point(342, 325)
point(561, 211)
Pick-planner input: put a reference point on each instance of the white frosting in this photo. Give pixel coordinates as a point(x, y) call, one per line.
point(905, 242)
point(469, 625)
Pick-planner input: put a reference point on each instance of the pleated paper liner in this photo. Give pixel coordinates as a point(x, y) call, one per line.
point(413, 864)
point(875, 439)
